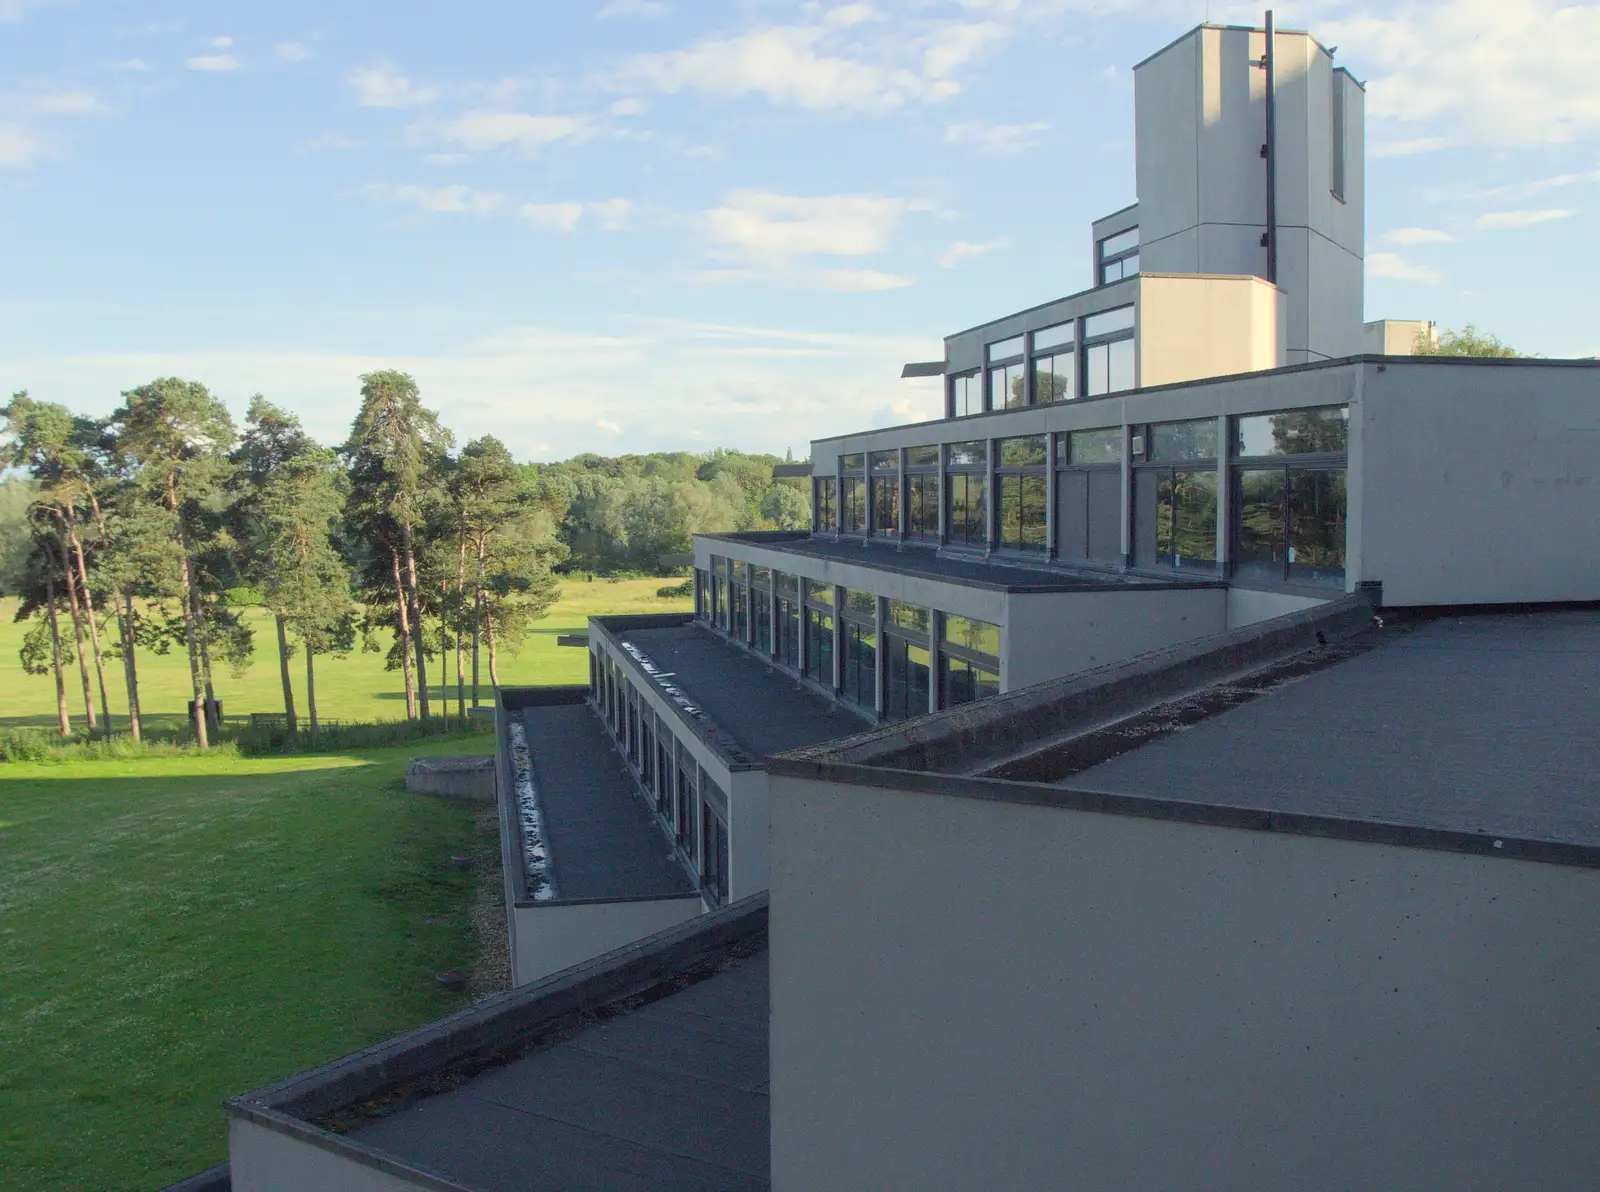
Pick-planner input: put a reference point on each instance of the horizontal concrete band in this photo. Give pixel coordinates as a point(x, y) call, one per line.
point(212, 1179)
point(973, 736)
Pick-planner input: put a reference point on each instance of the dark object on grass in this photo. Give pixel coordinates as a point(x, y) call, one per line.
point(461, 860)
point(453, 981)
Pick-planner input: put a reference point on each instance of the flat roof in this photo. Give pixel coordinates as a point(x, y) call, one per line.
point(1484, 724)
point(763, 709)
point(997, 573)
point(671, 1095)
point(600, 839)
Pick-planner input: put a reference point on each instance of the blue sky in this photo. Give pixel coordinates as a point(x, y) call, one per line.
point(629, 225)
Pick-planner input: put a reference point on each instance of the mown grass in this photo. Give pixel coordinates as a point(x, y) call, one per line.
point(174, 930)
point(355, 688)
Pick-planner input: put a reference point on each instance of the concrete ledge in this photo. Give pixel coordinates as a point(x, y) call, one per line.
point(973, 737)
point(212, 1179)
point(468, 779)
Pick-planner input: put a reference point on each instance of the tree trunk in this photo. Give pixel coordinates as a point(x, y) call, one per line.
point(311, 691)
point(77, 636)
point(444, 652)
point(283, 670)
point(405, 637)
point(461, 670)
point(130, 667)
point(205, 658)
point(494, 669)
point(477, 617)
point(94, 629)
point(62, 718)
point(184, 588)
point(416, 618)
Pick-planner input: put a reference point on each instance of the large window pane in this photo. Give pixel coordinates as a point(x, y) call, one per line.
point(966, 520)
point(1004, 349)
point(1120, 243)
point(1108, 322)
point(966, 395)
point(1293, 432)
point(1095, 446)
point(908, 616)
point(825, 511)
point(1119, 365)
point(1259, 544)
point(922, 457)
point(1186, 523)
point(906, 677)
point(1316, 526)
point(861, 605)
point(885, 506)
point(819, 646)
point(1055, 337)
point(853, 505)
point(858, 677)
point(972, 634)
point(1025, 452)
point(1054, 378)
point(1006, 387)
point(1022, 512)
point(963, 681)
point(967, 454)
point(922, 505)
point(1184, 440)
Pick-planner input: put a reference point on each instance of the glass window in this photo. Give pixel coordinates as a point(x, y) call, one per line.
point(825, 511)
point(1290, 524)
point(1093, 446)
point(819, 593)
point(885, 461)
point(1184, 440)
point(702, 595)
point(1024, 452)
point(972, 634)
point(1022, 512)
point(862, 606)
point(852, 505)
point(922, 505)
point(788, 586)
point(761, 577)
point(1108, 322)
point(713, 856)
point(966, 521)
point(1108, 367)
point(787, 648)
point(922, 457)
point(1260, 535)
point(1120, 243)
point(761, 619)
point(1055, 378)
point(739, 612)
point(966, 394)
point(910, 617)
point(906, 671)
point(962, 681)
point(885, 505)
point(967, 454)
point(1054, 337)
point(819, 646)
point(1007, 387)
point(736, 568)
point(1186, 518)
point(1122, 267)
point(853, 463)
point(1004, 349)
point(1293, 432)
point(858, 678)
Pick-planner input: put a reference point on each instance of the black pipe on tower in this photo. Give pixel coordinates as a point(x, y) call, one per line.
point(1270, 152)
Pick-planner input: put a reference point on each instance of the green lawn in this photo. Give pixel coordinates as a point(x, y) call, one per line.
point(176, 930)
point(352, 688)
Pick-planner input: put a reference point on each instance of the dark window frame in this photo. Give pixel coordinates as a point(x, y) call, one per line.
point(1022, 479)
point(970, 385)
point(959, 478)
point(825, 505)
point(883, 478)
point(1117, 258)
point(1288, 464)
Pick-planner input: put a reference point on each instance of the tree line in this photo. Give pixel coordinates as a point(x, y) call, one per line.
point(135, 532)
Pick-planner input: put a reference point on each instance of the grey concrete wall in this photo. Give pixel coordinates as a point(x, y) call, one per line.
point(972, 995)
point(1247, 606)
point(547, 938)
point(1049, 635)
point(265, 1160)
point(1480, 481)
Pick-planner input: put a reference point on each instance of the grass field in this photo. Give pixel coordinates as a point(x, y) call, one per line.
point(352, 688)
point(176, 930)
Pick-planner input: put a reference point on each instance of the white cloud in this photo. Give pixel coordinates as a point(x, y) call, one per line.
point(804, 65)
point(56, 103)
point(1508, 73)
point(330, 142)
point(26, 119)
point(606, 424)
point(775, 228)
point(381, 87)
point(964, 250)
point(995, 138)
point(560, 217)
point(1498, 220)
point(455, 198)
point(631, 8)
point(612, 213)
point(20, 147)
point(629, 106)
point(477, 131)
point(1514, 191)
point(1409, 148)
point(293, 51)
point(213, 63)
point(952, 46)
point(1392, 264)
point(859, 281)
point(1418, 236)
point(133, 64)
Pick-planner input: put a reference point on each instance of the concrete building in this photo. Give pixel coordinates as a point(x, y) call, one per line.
point(1020, 927)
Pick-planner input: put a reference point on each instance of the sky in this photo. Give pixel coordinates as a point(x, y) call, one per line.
point(635, 225)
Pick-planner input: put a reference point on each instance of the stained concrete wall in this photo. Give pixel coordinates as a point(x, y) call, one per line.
point(1247, 606)
point(1396, 337)
point(971, 994)
point(1208, 326)
point(1048, 635)
point(1480, 481)
point(265, 1160)
point(550, 937)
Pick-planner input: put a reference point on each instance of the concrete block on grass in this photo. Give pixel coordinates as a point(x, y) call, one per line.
point(468, 779)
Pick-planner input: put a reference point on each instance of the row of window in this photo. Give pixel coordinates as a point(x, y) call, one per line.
point(1288, 520)
point(674, 784)
point(1087, 357)
point(802, 624)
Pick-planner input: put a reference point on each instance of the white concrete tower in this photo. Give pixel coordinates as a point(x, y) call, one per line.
point(1200, 109)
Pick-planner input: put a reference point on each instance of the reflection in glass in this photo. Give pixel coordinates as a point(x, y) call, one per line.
point(1096, 446)
point(961, 681)
point(853, 463)
point(1053, 377)
point(1121, 242)
point(819, 593)
point(852, 505)
point(825, 509)
point(1004, 349)
point(1108, 368)
point(1316, 526)
point(906, 675)
point(1007, 387)
point(885, 506)
point(1259, 544)
point(1293, 432)
point(922, 505)
point(965, 521)
point(861, 605)
point(1054, 337)
point(966, 394)
point(908, 616)
point(1022, 512)
point(966, 454)
point(1186, 518)
point(1026, 451)
point(1184, 440)
point(819, 646)
point(972, 634)
point(922, 457)
point(858, 673)
point(1108, 322)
